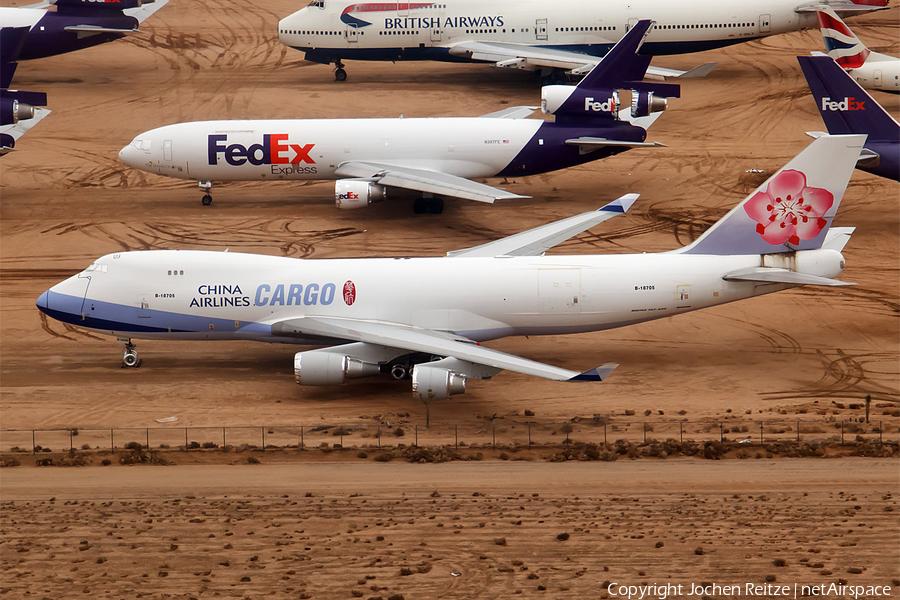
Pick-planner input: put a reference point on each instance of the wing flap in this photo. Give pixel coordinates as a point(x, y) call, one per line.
point(442, 184)
point(537, 241)
point(428, 341)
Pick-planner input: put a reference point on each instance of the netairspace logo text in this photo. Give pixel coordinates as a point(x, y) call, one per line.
point(749, 590)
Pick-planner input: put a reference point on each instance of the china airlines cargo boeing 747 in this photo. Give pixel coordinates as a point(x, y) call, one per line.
point(372, 158)
point(426, 317)
point(537, 35)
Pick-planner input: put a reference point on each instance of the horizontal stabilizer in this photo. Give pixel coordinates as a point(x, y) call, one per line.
point(97, 29)
point(594, 143)
point(837, 238)
point(598, 374)
point(776, 275)
point(514, 112)
point(535, 242)
point(841, 7)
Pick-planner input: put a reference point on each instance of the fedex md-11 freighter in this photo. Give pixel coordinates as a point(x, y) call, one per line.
point(427, 317)
point(536, 35)
point(434, 157)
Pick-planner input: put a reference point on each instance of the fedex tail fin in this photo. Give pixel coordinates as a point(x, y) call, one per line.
point(793, 209)
point(597, 96)
point(842, 45)
point(844, 105)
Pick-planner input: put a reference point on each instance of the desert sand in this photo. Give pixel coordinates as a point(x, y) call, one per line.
point(65, 199)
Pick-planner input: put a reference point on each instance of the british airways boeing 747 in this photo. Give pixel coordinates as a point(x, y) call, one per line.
point(427, 317)
point(536, 35)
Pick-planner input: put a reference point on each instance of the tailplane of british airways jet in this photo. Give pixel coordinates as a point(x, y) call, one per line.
point(847, 108)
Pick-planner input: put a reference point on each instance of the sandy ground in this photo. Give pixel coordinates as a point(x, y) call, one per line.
point(65, 200)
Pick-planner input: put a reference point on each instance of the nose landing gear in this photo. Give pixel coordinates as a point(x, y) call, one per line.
point(207, 187)
point(130, 358)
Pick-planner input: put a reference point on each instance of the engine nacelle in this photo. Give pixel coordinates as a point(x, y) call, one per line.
point(355, 193)
point(318, 367)
point(643, 104)
point(99, 4)
point(824, 262)
point(12, 111)
point(563, 99)
point(429, 383)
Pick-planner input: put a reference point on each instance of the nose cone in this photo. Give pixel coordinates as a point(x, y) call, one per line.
point(43, 301)
point(131, 156)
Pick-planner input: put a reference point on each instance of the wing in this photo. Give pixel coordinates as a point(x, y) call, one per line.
point(532, 58)
point(144, 11)
point(514, 112)
point(430, 342)
point(442, 184)
point(537, 241)
point(10, 133)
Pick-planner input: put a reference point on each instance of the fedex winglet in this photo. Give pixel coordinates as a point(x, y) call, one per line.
point(427, 318)
point(847, 108)
point(436, 158)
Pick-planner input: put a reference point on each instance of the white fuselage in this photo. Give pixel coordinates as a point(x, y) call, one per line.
point(880, 72)
point(379, 31)
point(207, 295)
point(311, 149)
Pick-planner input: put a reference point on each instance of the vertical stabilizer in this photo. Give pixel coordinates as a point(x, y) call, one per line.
point(842, 45)
point(846, 107)
point(793, 209)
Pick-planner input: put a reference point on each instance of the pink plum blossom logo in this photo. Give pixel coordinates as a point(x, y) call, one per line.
point(788, 210)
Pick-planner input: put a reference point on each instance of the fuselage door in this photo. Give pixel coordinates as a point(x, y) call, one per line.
point(559, 291)
point(540, 29)
point(351, 34)
point(631, 23)
point(403, 10)
point(143, 304)
point(877, 77)
point(765, 23)
point(167, 150)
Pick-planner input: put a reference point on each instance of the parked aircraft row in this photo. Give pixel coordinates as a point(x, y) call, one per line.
point(372, 320)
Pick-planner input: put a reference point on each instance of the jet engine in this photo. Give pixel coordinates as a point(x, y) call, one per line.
point(356, 193)
point(318, 367)
point(591, 103)
point(429, 383)
point(643, 104)
point(13, 111)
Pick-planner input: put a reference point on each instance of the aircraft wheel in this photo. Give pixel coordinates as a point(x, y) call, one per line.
point(420, 206)
point(399, 372)
point(436, 206)
point(207, 200)
point(340, 74)
point(131, 359)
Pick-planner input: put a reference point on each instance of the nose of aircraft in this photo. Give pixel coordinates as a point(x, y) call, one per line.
point(64, 300)
point(43, 301)
point(130, 155)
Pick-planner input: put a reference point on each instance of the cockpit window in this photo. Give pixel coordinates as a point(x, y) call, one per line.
point(317, 3)
point(95, 267)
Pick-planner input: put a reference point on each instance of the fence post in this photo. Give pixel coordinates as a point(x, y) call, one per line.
point(147, 432)
point(223, 437)
point(761, 442)
point(681, 431)
point(721, 433)
point(112, 441)
point(798, 431)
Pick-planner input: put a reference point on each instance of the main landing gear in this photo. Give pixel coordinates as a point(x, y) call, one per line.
point(207, 187)
point(339, 73)
point(130, 358)
point(433, 206)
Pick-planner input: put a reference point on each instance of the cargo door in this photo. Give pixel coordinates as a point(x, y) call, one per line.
point(540, 29)
point(765, 23)
point(559, 291)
